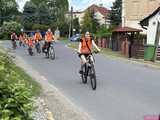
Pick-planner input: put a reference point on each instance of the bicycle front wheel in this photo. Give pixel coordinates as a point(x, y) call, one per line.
point(93, 77)
point(52, 53)
point(84, 74)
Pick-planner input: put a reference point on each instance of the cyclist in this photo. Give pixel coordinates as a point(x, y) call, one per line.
point(13, 39)
point(85, 47)
point(37, 36)
point(37, 39)
point(49, 37)
point(30, 45)
point(22, 38)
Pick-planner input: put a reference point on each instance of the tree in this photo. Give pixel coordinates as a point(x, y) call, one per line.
point(76, 24)
point(29, 14)
point(116, 13)
point(8, 10)
point(44, 13)
point(90, 23)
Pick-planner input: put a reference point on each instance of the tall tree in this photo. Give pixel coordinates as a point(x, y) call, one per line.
point(116, 13)
point(89, 23)
point(8, 10)
point(76, 24)
point(45, 12)
point(29, 14)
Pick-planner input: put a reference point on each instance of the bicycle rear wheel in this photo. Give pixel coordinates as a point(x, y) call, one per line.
point(93, 77)
point(38, 48)
point(84, 74)
point(14, 45)
point(52, 53)
point(30, 51)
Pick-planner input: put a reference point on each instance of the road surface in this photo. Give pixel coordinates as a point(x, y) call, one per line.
point(125, 91)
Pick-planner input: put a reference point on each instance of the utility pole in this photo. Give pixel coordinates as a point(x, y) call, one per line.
point(71, 23)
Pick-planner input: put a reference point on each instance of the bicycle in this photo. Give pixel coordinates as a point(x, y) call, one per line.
point(50, 53)
point(88, 70)
point(38, 47)
point(30, 51)
point(14, 44)
point(21, 43)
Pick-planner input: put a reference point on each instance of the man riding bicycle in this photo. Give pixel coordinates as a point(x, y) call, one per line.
point(85, 47)
point(13, 39)
point(37, 36)
point(49, 37)
point(37, 39)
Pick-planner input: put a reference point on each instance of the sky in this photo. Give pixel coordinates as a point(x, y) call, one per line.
point(77, 4)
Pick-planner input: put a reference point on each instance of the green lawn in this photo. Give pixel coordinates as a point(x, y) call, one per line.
point(118, 55)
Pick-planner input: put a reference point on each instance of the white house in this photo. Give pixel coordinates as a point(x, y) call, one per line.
point(152, 24)
point(101, 14)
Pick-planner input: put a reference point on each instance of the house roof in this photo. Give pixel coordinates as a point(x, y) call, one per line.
point(145, 21)
point(126, 29)
point(104, 11)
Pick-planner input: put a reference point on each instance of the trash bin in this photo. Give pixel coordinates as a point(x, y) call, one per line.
point(149, 52)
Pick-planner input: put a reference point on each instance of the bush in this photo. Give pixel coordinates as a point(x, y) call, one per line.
point(16, 91)
point(9, 27)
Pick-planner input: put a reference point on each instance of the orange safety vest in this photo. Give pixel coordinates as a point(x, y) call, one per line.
point(49, 36)
point(84, 48)
point(37, 36)
point(21, 38)
point(30, 42)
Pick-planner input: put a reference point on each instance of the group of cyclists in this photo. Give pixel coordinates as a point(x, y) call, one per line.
point(33, 41)
point(84, 50)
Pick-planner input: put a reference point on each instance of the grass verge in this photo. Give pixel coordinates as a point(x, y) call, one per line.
point(17, 90)
point(118, 55)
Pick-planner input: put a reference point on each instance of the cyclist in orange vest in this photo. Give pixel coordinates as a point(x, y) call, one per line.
point(37, 36)
point(49, 37)
point(37, 39)
point(22, 38)
point(85, 48)
point(30, 42)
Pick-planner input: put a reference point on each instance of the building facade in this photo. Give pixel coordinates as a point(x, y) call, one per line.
point(133, 11)
point(100, 13)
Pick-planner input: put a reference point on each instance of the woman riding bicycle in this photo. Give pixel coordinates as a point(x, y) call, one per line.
point(85, 48)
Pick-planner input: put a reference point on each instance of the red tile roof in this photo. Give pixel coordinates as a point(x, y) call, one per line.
point(104, 11)
point(126, 29)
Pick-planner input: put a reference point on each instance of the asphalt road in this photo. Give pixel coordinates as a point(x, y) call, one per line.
point(125, 91)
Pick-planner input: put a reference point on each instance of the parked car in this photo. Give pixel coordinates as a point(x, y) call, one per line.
point(75, 38)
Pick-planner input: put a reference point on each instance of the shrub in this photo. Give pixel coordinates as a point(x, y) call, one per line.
point(9, 27)
point(15, 92)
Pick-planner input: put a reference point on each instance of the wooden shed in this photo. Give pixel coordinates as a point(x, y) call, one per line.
point(126, 39)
